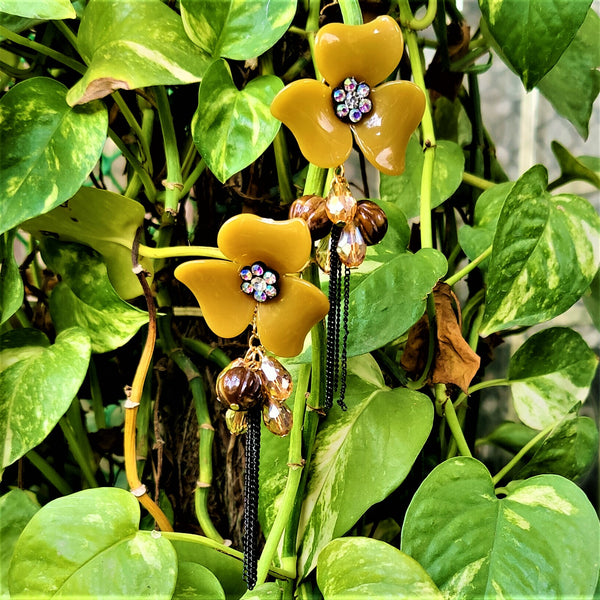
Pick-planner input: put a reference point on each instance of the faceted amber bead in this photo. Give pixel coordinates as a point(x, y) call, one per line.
point(312, 210)
point(340, 204)
point(239, 387)
point(351, 247)
point(278, 418)
point(371, 221)
point(237, 421)
point(277, 381)
point(322, 255)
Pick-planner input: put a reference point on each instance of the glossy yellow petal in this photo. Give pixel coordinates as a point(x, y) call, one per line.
point(368, 52)
point(397, 110)
point(216, 285)
point(305, 107)
point(285, 321)
point(282, 245)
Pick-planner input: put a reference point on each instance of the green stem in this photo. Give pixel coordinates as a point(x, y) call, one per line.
point(96, 393)
point(442, 399)
point(191, 538)
point(520, 454)
point(295, 465)
point(178, 251)
point(408, 20)
point(49, 472)
point(475, 326)
point(70, 35)
point(57, 56)
point(192, 178)
point(480, 386)
point(212, 353)
point(467, 269)
point(478, 182)
point(417, 385)
point(351, 13)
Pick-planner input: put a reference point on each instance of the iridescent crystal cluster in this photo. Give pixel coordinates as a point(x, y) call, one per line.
point(363, 223)
point(259, 281)
point(256, 380)
point(351, 100)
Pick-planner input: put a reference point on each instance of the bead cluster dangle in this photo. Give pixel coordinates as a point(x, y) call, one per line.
point(345, 227)
point(252, 387)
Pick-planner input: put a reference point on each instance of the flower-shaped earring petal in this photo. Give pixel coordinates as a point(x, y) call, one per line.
point(264, 253)
point(353, 59)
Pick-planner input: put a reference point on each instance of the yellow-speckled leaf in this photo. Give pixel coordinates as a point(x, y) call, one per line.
point(545, 254)
point(130, 44)
point(39, 9)
point(232, 128)
point(476, 545)
point(48, 148)
point(103, 220)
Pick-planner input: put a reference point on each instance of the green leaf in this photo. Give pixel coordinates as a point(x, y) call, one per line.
point(573, 84)
point(103, 220)
point(549, 373)
point(88, 545)
point(361, 567)
point(585, 168)
point(16, 509)
point(388, 301)
point(226, 568)
point(360, 456)
point(11, 284)
point(569, 450)
point(540, 541)
point(397, 236)
point(533, 34)
point(236, 29)
point(21, 344)
point(130, 44)
point(265, 591)
point(479, 237)
point(232, 128)
point(35, 392)
point(85, 297)
point(15, 24)
point(48, 150)
point(405, 190)
point(451, 121)
point(591, 301)
point(39, 9)
point(509, 436)
point(543, 258)
point(195, 582)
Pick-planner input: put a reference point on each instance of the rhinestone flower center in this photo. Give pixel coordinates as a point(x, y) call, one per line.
point(351, 100)
point(259, 281)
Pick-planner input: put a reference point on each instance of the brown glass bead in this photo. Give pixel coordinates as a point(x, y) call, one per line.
point(371, 221)
point(277, 381)
point(237, 421)
point(351, 247)
point(312, 210)
point(239, 387)
point(340, 204)
point(278, 418)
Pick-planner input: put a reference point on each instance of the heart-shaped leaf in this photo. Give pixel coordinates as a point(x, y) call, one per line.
point(131, 44)
point(573, 83)
point(48, 149)
point(85, 297)
point(11, 284)
point(105, 221)
point(266, 591)
point(367, 568)
point(549, 373)
point(39, 9)
point(475, 239)
point(359, 457)
point(195, 582)
point(388, 301)
point(475, 545)
point(35, 392)
point(87, 545)
point(543, 258)
point(405, 190)
point(232, 128)
point(16, 509)
point(19, 344)
point(236, 29)
point(533, 34)
point(586, 168)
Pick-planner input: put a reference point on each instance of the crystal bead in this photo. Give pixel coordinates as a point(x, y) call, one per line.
point(350, 84)
point(351, 247)
point(247, 288)
point(371, 221)
point(341, 110)
point(257, 269)
point(365, 106)
point(312, 210)
point(355, 115)
point(278, 418)
point(239, 387)
point(236, 421)
point(340, 204)
point(339, 95)
point(260, 296)
point(246, 274)
point(277, 381)
point(271, 291)
point(363, 90)
point(259, 284)
point(322, 255)
point(270, 277)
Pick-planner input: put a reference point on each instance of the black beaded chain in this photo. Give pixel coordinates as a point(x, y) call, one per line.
point(333, 320)
point(251, 497)
point(344, 357)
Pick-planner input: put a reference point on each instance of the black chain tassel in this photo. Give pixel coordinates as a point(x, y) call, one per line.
point(344, 353)
point(251, 497)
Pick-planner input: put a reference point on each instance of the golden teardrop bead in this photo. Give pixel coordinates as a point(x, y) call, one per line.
point(351, 247)
point(340, 204)
point(277, 381)
point(237, 421)
point(278, 418)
